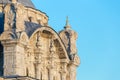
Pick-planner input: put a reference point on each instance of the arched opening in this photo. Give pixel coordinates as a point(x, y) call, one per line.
point(1, 59)
point(68, 45)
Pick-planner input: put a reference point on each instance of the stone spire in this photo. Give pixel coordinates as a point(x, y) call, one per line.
point(67, 26)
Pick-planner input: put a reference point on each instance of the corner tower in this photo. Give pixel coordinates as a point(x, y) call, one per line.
point(69, 38)
point(29, 48)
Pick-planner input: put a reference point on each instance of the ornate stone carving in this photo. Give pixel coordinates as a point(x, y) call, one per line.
point(76, 60)
point(69, 39)
point(72, 73)
point(34, 50)
point(7, 36)
point(38, 43)
point(11, 16)
point(38, 55)
point(63, 71)
point(20, 17)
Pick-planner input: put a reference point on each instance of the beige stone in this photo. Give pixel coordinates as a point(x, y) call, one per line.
point(38, 52)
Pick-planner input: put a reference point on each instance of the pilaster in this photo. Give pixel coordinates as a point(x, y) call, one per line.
point(73, 66)
point(72, 71)
point(13, 58)
point(63, 71)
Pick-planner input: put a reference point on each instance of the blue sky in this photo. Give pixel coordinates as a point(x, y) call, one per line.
point(97, 23)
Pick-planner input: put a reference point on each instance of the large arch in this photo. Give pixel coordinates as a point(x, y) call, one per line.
point(55, 34)
point(45, 53)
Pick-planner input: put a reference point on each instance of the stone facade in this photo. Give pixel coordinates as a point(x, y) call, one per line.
point(32, 50)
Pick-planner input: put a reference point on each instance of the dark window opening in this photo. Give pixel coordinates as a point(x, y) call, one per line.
point(1, 60)
point(30, 19)
point(1, 22)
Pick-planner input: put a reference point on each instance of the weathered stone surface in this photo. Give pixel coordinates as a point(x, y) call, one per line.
point(32, 49)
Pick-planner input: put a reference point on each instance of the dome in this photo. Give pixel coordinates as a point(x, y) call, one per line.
point(27, 3)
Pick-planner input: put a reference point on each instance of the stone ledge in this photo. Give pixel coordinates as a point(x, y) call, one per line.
point(18, 78)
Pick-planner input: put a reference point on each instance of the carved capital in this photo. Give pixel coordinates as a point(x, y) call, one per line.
point(77, 60)
point(7, 35)
point(63, 68)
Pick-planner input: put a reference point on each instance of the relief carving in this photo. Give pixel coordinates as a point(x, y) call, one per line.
point(11, 16)
point(38, 55)
point(20, 17)
point(72, 72)
point(69, 39)
point(46, 57)
point(76, 60)
point(38, 43)
point(7, 36)
point(52, 55)
point(63, 71)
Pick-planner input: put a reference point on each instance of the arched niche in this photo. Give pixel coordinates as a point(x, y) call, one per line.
point(23, 38)
point(49, 53)
point(47, 34)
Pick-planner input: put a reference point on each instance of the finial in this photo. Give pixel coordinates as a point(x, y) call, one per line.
point(67, 21)
point(67, 26)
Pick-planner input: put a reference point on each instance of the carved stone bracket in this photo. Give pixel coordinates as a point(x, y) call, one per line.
point(8, 35)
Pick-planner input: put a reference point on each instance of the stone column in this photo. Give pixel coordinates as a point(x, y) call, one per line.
point(44, 73)
point(72, 72)
point(9, 59)
point(13, 58)
point(51, 74)
point(52, 58)
point(38, 73)
point(29, 61)
point(72, 67)
point(38, 57)
point(63, 71)
point(38, 63)
point(51, 70)
point(63, 77)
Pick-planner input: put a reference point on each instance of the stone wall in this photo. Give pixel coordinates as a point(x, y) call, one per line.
point(44, 55)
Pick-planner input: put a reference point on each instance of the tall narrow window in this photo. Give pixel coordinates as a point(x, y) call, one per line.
point(1, 60)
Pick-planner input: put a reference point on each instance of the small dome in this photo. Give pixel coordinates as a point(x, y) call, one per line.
point(27, 3)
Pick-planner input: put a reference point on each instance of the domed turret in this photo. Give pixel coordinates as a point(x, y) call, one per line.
point(69, 37)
